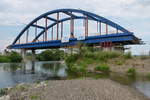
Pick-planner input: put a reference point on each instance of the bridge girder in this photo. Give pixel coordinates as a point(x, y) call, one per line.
point(69, 12)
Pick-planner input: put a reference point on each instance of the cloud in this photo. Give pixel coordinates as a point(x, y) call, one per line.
point(22, 11)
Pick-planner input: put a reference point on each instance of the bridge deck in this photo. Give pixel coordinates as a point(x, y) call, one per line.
point(123, 38)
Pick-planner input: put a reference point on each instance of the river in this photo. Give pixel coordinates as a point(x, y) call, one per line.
point(15, 73)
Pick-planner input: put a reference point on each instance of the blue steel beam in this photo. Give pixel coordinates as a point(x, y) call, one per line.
point(92, 15)
point(38, 26)
point(52, 19)
point(70, 14)
point(115, 38)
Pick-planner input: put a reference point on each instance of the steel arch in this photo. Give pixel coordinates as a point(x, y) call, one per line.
point(90, 15)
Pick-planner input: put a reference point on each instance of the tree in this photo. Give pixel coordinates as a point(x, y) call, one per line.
point(51, 55)
point(14, 57)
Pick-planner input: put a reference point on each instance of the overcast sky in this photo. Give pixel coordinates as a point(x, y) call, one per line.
point(131, 14)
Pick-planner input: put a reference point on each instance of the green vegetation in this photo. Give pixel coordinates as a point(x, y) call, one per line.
point(128, 55)
point(120, 62)
point(14, 57)
point(78, 63)
point(4, 59)
point(143, 57)
point(148, 75)
point(51, 55)
point(21, 87)
point(3, 91)
point(10, 57)
point(103, 68)
point(131, 71)
point(34, 97)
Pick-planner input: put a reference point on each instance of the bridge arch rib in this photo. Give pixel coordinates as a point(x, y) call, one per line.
point(69, 12)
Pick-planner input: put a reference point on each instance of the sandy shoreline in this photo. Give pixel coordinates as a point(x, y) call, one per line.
point(78, 89)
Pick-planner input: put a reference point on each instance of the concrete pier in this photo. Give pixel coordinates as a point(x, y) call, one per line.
point(24, 55)
point(33, 55)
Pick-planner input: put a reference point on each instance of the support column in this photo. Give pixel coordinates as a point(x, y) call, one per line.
point(33, 61)
point(33, 55)
point(23, 54)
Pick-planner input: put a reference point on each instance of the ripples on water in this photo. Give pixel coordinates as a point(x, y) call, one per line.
point(15, 73)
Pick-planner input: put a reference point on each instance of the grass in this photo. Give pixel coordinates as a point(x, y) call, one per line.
point(34, 97)
point(78, 63)
point(127, 55)
point(148, 75)
point(131, 72)
point(143, 57)
point(103, 68)
point(120, 62)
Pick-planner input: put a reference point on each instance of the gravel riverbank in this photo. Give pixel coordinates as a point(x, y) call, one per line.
point(78, 89)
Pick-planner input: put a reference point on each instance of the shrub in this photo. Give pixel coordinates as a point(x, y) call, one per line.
point(71, 59)
point(51, 55)
point(131, 71)
point(76, 70)
point(3, 91)
point(103, 68)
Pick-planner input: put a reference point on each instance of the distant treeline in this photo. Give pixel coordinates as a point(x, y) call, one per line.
point(47, 55)
point(10, 57)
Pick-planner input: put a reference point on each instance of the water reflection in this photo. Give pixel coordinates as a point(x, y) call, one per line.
point(14, 73)
point(141, 83)
point(33, 67)
point(143, 87)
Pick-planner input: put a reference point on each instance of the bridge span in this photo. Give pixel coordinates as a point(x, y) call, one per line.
point(66, 27)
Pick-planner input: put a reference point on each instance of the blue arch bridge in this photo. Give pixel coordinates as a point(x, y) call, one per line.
point(63, 28)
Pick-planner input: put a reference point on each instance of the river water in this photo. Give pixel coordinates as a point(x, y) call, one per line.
point(14, 73)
